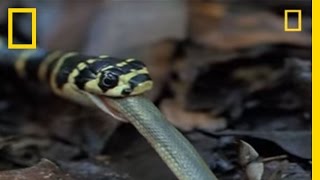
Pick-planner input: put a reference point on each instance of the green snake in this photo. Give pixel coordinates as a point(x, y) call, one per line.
point(116, 87)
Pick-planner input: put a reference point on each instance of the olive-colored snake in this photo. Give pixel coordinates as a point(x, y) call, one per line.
point(115, 86)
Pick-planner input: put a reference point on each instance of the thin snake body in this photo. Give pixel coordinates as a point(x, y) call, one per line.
point(115, 86)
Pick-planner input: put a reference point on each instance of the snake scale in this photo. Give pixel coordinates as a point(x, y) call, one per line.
point(115, 86)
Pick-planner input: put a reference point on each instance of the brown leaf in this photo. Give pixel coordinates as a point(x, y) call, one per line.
point(221, 81)
point(301, 75)
point(284, 170)
point(189, 120)
point(258, 77)
point(21, 150)
point(201, 14)
point(92, 169)
point(297, 143)
point(44, 170)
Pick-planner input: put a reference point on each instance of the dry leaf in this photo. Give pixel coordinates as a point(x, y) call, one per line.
point(301, 75)
point(44, 170)
point(204, 17)
point(258, 77)
point(297, 143)
point(285, 170)
point(93, 169)
point(249, 160)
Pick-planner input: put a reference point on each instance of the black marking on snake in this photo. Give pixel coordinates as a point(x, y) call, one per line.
point(137, 64)
point(111, 60)
point(117, 71)
point(99, 64)
point(138, 79)
point(51, 66)
point(33, 63)
point(130, 66)
point(68, 65)
point(127, 68)
point(9, 58)
point(7, 62)
point(83, 77)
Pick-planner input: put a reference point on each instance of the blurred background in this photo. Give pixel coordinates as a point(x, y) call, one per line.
point(223, 71)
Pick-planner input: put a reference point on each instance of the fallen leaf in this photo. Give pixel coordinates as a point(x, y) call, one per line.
point(300, 73)
point(22, 150)
point(204, 17)
point(223, 82)
point(285, 170)
point(44, 170)
point(297, 143)
point(249, 160)
point(92, 169)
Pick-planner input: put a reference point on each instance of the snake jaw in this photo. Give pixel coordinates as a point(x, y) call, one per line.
point(105, 105)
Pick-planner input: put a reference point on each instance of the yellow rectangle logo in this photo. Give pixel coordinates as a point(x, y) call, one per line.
point(286, 20)
point(33, 12)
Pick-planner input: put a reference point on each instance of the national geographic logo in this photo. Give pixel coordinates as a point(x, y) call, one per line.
point(292, 12)
point(33, 12)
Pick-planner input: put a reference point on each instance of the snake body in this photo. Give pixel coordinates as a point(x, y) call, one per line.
point(115, 86)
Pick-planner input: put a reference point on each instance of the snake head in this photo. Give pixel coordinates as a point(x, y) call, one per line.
point(114, 77)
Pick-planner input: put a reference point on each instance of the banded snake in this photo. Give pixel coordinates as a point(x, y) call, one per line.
point(116, 87)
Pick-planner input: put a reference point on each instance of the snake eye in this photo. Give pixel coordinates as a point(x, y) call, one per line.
point(110, 80)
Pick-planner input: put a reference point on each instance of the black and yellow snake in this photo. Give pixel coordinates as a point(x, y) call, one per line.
point(115, 86)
